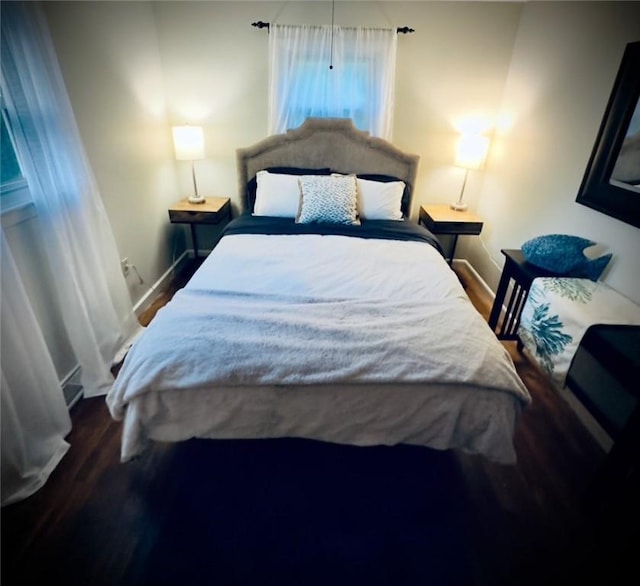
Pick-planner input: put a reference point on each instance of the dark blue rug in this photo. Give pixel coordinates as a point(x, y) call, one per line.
point(302, 512)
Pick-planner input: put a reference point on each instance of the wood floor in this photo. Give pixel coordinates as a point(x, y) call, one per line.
point(98, 521)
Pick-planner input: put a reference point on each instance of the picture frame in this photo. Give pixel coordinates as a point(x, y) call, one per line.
point(608, 186)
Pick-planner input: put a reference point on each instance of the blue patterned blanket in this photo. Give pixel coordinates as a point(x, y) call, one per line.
point(558, 312)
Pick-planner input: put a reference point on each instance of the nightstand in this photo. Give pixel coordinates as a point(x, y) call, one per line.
point(215, 210)
point(441, 219)
point(522, 273)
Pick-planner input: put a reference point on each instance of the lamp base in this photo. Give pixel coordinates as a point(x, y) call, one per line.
point(196, 199)
point(459, 206)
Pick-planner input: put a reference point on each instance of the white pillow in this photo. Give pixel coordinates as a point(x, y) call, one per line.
point(380, 201)
point(277, 195)
point(328, 200)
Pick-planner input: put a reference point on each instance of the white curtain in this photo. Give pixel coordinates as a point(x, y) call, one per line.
point(89, 287)
point(326, 71)
point(35, 418)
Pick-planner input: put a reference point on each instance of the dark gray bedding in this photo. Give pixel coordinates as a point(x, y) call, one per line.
point(379, 229)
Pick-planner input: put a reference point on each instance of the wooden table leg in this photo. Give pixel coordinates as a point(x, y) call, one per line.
point(499, 299)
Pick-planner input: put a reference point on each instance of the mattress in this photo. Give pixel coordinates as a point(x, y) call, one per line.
point(356, 335)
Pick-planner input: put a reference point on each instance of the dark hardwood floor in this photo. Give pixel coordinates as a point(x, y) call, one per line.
point(302, 512)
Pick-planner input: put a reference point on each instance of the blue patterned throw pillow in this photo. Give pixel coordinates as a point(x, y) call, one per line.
point(328, 200)
point(564, 254)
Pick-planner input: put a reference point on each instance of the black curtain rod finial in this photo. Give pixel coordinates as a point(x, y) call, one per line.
point(260, 24)
point(404, 30)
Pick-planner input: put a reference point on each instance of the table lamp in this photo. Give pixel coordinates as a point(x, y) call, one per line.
point(470, 154)
point(188, 143)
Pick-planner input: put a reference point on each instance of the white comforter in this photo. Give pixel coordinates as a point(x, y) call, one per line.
point(311, 312)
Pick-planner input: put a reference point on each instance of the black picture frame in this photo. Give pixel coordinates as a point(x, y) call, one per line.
point(597, 190)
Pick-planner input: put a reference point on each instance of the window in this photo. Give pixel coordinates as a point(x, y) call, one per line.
point(10, 168)
point(339, 92)
point(14, 191)
point(325, 71)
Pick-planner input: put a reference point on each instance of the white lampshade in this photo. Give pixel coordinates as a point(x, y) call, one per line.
point(188, 142)
point(471, 151)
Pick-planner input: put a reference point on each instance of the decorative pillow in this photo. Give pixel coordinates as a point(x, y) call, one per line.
point(252, 184)
point(328, 200)
point(564, 254)
point(276, 195)
point(380, 201)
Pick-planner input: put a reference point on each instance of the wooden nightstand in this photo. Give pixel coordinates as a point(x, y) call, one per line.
point(441, 219)
point(215, 210)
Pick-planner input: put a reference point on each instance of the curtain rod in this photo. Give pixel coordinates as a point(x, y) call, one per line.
point(403, 30)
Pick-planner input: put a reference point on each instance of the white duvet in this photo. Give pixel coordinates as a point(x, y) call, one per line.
point(330, 337)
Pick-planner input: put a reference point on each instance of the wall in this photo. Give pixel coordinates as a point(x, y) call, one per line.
point(110, 61)
point(564, 63)
point(216, 73)
point(133, 69)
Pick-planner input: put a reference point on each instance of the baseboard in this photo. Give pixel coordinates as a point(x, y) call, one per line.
point(598, 433)
point(72, 387)
point(595, 429)
point(476, 276)
point(149, 297)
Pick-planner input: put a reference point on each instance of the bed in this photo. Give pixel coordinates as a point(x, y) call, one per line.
point(325, 313)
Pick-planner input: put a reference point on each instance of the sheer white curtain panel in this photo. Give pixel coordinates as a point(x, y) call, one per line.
point(34, 416)
point(326, 71)
point(89, 286)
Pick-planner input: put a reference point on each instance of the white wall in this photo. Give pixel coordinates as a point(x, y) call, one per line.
point(135, 68)
point(564, 62)
point(110, 61)
point(216, 73)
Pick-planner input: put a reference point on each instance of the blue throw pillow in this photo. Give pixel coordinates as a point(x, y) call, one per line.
point(564, 254)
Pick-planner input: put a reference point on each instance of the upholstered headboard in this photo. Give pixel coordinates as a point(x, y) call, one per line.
point(328, 143)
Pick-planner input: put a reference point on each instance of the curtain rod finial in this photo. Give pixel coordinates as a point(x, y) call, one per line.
point(260, 24)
